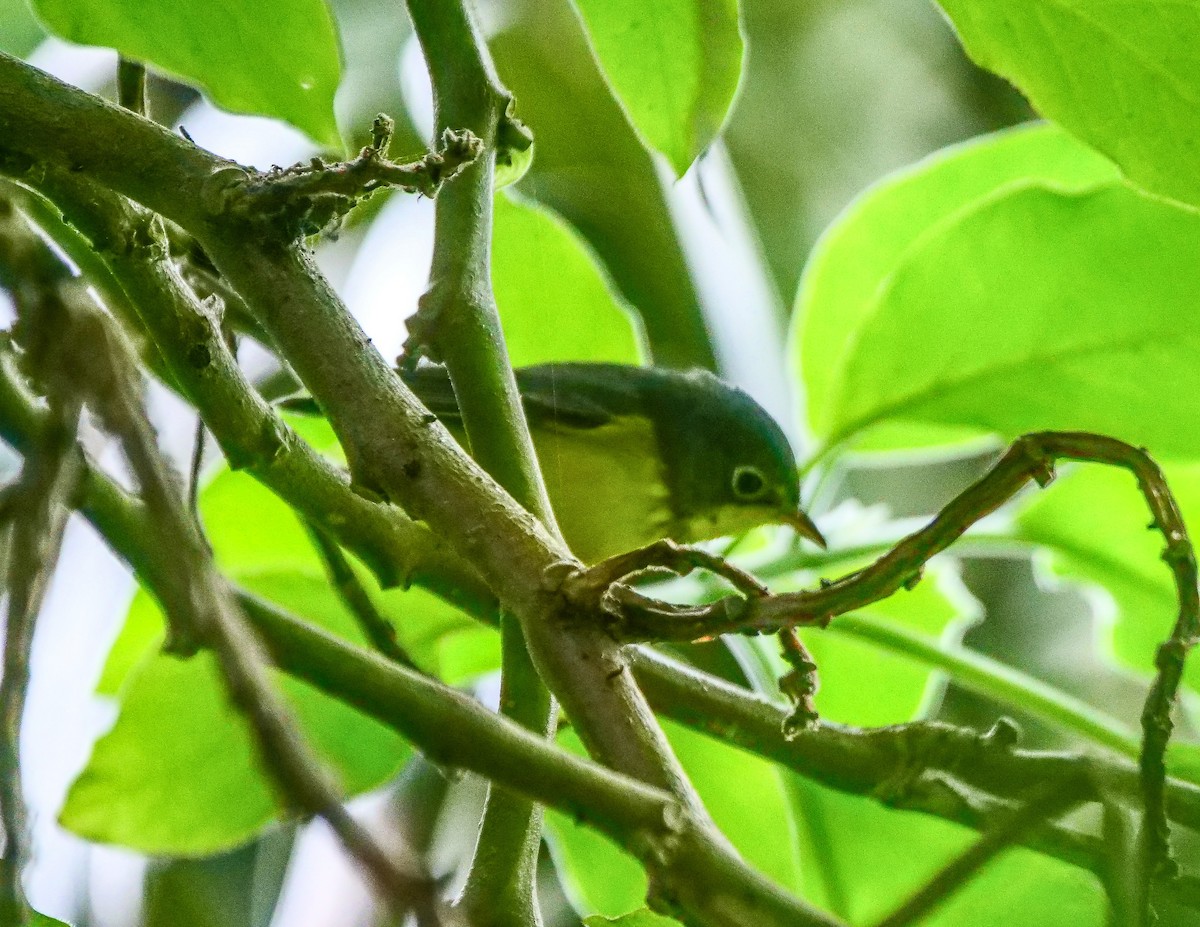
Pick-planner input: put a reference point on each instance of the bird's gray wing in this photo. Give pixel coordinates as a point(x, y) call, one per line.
point(553, 394)
point(550, 398)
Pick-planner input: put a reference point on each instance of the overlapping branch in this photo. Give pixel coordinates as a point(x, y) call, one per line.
point(93, 357)
point(396, 454)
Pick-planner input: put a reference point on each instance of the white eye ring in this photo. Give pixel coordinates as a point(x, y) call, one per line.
point(748, 482)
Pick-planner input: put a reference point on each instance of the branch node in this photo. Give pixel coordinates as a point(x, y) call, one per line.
point(800, 685)
point(313, 197)
point(1005, 734)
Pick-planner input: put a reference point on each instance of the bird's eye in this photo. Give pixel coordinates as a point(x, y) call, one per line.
point(748, 482)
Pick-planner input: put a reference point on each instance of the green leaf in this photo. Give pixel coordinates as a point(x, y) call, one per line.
point(857, 254)
point(642, 918)
point(21, 33)
point(1036, 309)
point(592, 170)
point(860, 860)
point(743, 793)
point(1093, 523)
point(274, 58)
point(42, 920)
point(256, 540)
point(1124, 77)
point(554, 303)
point(674, 64)
point(179, 775)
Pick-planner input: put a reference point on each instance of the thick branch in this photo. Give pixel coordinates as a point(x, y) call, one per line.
point(458, 323)
point(863, 762)
point(391, 444)
point(92, 359)
point(188, 333)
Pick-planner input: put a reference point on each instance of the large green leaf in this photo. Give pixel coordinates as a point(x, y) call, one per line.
point(592, 170)
point(1093, 522)
point(1124, 77)
point(275, 58)
point(858, 253)
point(674, 64)
point(1038, 308)
point(743, 793)
point(554, 303)
point(178, 774)
point(861, 859)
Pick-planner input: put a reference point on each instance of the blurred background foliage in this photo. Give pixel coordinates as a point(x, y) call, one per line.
point(677, 194)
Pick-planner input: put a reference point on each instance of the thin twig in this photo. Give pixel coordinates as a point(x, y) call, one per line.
point(376, 628)
point(799, 685)
point(1048, 803)
point(309, 198)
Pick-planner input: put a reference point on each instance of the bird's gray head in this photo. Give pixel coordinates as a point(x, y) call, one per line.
point(728, 461)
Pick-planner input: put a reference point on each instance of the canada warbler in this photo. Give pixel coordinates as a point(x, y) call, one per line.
point(631, 455)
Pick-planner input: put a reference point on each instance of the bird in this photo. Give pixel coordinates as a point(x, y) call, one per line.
point(632, 455)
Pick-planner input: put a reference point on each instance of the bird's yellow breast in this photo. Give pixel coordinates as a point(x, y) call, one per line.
point(606, 485)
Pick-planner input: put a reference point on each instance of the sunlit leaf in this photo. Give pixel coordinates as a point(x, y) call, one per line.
point(179, 774)
point(860, 860)
point(1036, 309)
point(554, 303)
point(275, 58)
point(858, 253)
point(674, 64)
point(1093, 523)
point(1124, 77)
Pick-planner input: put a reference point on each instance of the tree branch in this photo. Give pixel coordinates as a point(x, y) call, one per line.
point(188, 335)
point(458, 323)
point(392, 447)
point(36, 512)
point(202, 609)
point(1046, 804)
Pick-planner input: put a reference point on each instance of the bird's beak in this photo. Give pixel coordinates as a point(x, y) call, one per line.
point(803, 525)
